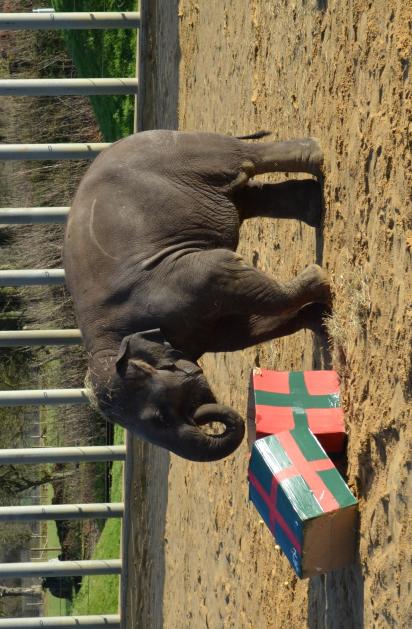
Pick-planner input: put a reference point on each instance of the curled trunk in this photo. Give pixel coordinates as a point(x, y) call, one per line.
point(196, 445)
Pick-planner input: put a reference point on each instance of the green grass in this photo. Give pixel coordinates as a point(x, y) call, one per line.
point(100, 594)
point(49, 422)
point(105, 53)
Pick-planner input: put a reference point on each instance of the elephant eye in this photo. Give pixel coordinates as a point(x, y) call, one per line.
point(156, 417)
point(161, 419)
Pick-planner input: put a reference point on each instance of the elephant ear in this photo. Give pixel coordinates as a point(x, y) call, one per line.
point(146, 351)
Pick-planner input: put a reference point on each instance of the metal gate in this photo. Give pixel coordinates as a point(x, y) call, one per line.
point(48, 19)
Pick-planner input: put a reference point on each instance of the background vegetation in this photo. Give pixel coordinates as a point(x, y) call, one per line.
point(107, 53)
point(24, 184)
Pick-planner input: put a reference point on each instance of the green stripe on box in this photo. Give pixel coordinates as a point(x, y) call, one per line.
point(337, 486)
point(308, 444)
point(298, 396)
point(300, 418)
point(300, 498)
point(299, 391)
point(273, 454)
point(283, 400)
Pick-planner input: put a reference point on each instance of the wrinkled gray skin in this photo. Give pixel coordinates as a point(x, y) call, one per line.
point(150, 263)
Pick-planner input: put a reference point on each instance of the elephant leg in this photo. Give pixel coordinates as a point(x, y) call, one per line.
point(238, 332)
point(293, 156)
point(225, 285)
point(298, 199)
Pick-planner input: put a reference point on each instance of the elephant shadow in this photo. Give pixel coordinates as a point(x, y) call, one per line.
point(322, 358)
point(335, 599)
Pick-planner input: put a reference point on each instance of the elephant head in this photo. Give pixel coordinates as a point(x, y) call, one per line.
point(162, 397)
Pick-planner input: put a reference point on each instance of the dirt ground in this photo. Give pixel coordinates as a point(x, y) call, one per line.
point(338, 71)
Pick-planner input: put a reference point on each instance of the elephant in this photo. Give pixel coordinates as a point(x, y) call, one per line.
point(62, 587)
point(151, 264)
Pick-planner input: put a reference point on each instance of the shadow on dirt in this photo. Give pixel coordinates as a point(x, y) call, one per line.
point(147, 468)
point(322, 358)
point(335, 599)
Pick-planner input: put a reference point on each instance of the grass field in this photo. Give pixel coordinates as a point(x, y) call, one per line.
point(99, 594)
point(108, 53)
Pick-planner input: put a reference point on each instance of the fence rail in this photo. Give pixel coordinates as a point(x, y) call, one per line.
point(11, 152)
point(67, 87)
point(69, 21)
point(46, 19)
point(32, 277)
point(23, 216)
point(63, 622)
point(13, 338)
point(73, 454)
point(43, 397)
point(87, 567)
point(28, 513)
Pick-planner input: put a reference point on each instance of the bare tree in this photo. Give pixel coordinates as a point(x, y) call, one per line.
point(33, 590)
point(16, 479)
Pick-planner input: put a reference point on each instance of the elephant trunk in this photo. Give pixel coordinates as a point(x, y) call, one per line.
point(196, 445)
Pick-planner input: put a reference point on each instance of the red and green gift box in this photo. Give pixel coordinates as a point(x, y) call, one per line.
point(285, 400)
point(304, 501)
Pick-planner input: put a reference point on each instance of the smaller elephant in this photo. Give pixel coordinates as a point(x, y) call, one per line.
point(62, 587)
point(151, 263)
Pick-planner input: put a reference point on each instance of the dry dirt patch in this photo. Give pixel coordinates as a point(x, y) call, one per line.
point(338, 71)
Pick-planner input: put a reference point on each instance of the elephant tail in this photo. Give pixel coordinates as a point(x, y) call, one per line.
point(254, 136)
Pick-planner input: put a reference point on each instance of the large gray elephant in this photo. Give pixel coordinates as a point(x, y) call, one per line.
point(151, 266)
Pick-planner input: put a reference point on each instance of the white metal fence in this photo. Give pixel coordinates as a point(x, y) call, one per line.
point(48, 19)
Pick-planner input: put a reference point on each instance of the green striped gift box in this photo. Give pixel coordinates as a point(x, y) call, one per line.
point(304, 501)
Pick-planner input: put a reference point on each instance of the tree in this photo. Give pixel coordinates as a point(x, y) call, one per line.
point(33, 590)
point(15, 479)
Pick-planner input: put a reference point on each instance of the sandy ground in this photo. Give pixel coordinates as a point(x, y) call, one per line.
point(338, 71)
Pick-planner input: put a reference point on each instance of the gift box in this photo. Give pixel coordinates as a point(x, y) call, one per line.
point(283, 400)
point(304, 501)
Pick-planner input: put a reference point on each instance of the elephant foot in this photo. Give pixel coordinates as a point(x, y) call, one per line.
point(316, 284)
point(316, 319)
point(313, 156)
